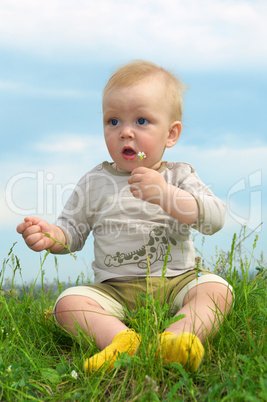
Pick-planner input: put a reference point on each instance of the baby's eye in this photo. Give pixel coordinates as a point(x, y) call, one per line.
point(142, 121)
point(114, 122)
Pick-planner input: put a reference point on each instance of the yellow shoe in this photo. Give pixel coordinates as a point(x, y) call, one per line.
point(125, 341)
point(185, 349)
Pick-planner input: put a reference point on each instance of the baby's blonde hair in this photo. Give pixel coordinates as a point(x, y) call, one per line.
point(131, 73)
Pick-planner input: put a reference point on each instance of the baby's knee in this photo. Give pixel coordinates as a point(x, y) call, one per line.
point(69, 305)
point(225, 293)
point(62, 308)
point(222, 296)
point(216, 292)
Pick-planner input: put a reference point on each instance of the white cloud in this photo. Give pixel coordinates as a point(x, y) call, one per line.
point(224, 166)
point(20, 88)
point(211, 31)
point(9, 86)
point(42, 187)
point(72, 144)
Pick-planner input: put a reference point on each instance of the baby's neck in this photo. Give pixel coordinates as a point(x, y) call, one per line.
point(114, 165)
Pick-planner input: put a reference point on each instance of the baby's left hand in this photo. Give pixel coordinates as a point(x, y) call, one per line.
point(148, 184)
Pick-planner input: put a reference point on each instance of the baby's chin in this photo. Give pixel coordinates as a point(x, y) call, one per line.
point(134, 166)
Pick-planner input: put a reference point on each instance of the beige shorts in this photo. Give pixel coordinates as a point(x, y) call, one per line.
point(117, 296)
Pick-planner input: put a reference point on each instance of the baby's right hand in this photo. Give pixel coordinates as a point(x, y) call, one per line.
point(32, 231)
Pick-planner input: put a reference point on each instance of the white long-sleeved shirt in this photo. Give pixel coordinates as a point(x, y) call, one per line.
point(129, 232)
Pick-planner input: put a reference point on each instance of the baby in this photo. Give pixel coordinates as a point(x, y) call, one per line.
point(141, 211)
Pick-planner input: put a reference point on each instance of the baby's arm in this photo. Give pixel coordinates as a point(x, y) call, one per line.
point(39, 234)
point(150, 186)
point(181, 205)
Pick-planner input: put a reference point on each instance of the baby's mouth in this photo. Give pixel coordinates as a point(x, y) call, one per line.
point(128, 153)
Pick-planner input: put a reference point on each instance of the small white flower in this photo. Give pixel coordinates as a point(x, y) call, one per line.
point(9, 369)
point(74, 374)
point(141, 155)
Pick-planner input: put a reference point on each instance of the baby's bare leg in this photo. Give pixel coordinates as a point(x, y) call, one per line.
point(204, 307)
point(72, 311)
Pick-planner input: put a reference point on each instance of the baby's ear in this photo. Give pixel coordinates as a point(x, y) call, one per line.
point(174, 134)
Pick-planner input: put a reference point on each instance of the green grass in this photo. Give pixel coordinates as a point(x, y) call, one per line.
point(38, 361)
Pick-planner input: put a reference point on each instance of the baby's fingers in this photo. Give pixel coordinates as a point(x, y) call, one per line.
point(33, 239)
point(23, 226)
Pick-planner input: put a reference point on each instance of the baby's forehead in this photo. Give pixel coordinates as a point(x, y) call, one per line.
point(157, 83)
point(172, 88)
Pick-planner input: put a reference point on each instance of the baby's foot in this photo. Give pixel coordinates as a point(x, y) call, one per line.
point(125, 341)
point(185, 349)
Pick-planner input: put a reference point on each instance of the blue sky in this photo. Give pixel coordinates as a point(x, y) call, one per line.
point(56, 57)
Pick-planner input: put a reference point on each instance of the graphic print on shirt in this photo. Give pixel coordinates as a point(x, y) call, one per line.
point(155, 249)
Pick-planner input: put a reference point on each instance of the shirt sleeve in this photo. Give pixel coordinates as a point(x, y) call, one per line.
point(73, 219)
point(211, 208)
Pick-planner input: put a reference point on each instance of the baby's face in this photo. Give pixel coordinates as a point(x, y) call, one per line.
point(137, 119)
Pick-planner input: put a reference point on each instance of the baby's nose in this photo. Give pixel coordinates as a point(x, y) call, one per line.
point(126, 131)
